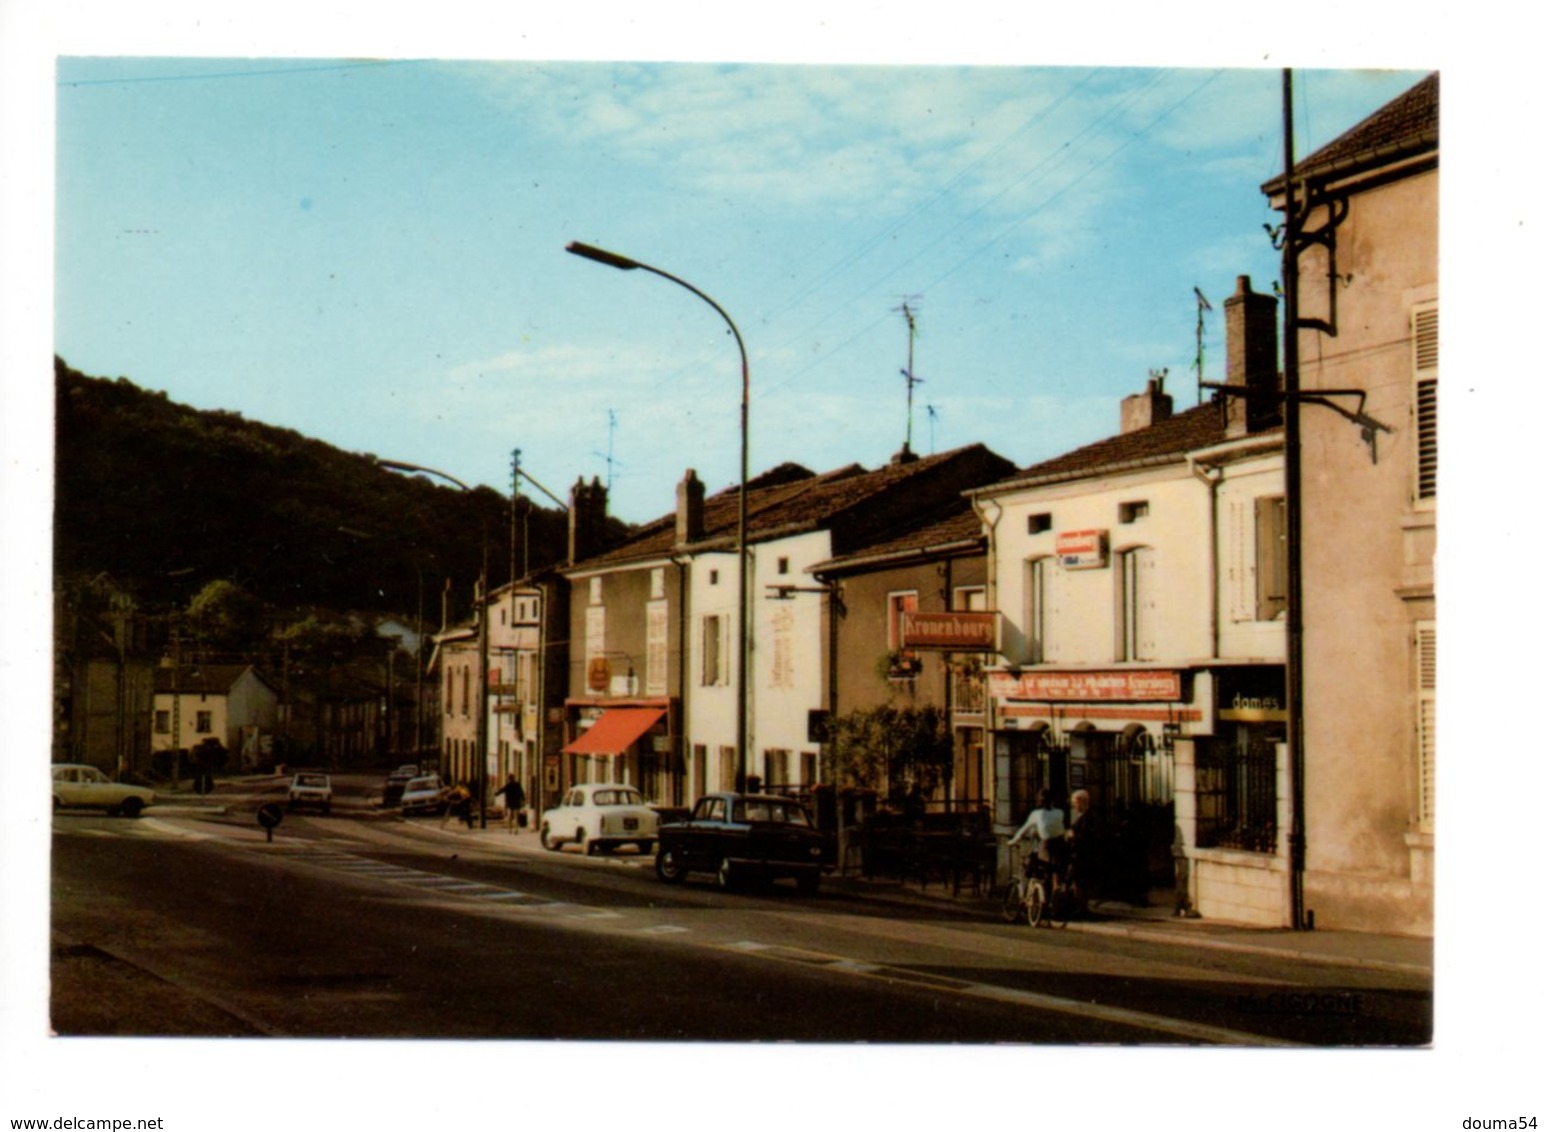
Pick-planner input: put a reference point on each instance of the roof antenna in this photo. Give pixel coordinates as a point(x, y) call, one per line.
point(1198, 338)
point(908, 376)
point(612, 426)
point(932, 414)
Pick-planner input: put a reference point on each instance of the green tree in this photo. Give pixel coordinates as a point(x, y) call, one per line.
point(225, 617)
point(890, 749)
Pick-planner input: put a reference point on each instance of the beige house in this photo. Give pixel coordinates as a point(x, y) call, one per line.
point(1368, 297)
point(231, 703)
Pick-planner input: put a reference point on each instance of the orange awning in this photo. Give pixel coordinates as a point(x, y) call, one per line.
point(615, 732)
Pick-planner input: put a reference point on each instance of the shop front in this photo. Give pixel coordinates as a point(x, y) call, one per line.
point(633, 741)
point(1111, 733)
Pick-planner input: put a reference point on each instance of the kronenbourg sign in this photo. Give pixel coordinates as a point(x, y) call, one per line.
point(950, 632)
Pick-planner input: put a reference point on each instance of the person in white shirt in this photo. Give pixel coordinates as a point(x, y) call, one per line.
point(1044, 827)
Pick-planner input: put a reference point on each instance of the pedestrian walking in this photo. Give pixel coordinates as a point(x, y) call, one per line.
point(515, 798)
point(459, 805)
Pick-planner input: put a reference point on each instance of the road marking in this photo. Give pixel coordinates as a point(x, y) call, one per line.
point(1089, 1011)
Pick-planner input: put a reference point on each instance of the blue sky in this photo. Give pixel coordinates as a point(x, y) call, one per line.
point(372, 253)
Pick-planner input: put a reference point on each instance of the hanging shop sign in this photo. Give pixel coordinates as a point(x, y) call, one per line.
point(950, 632)
point(1126, 686)
point(1081, 550)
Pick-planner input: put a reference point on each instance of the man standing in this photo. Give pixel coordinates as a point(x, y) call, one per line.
point(515, 799)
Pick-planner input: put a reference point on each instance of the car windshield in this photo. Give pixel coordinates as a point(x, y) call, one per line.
point(618, 798)
point(424, 784)
point(311, 780)
point(785, 813)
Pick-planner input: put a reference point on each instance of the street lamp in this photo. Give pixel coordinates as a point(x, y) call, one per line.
point(481, 743)
point(624, 263)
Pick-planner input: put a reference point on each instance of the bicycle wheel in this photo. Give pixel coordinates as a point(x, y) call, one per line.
point(1036, 902)
point(1010, 905)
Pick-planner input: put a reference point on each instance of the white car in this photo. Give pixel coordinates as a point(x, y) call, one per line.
point(80, 786)
point(308, 789)
point(423, 795)
point(600, 816)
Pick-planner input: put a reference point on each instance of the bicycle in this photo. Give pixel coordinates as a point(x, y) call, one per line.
point(1042, 895)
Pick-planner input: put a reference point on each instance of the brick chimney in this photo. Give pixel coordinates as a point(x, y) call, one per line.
point(1141, 410)
point(588, 519)
point(690, 509)
point(1252, 359)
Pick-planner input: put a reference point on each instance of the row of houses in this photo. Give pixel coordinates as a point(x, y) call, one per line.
point(1112, 619)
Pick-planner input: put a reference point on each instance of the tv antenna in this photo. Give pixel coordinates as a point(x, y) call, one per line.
point(612, 427)
point(908, 373)
point(1198, 339)
point(932, 414)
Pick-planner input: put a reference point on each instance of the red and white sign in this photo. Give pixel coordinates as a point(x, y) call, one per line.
point(949, 632)
point(1128, 687)
point(1081, 550)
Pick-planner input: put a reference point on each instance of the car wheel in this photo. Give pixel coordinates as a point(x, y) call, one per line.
point(809, 883)
point(669, 866)
point(646, 847)
point(327, 807)
point(548, 842)
point(131, 807)
point(726, 876)
point(588, 847)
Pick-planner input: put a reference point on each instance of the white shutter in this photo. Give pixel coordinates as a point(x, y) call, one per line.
point(1424, 655)
point(1426, 336)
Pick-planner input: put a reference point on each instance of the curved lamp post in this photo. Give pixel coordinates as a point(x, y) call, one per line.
point(624, 263)
point(482, 742)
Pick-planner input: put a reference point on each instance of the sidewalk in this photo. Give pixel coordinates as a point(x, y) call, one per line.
point(1153, 924)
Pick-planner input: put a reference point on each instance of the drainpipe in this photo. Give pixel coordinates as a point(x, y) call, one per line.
point(992, 599)
point(683, 628)
point(1210, 478)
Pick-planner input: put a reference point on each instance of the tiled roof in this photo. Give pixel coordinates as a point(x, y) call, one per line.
point(1408, 125)
point(810, 503)
point(956, 525)
point(1171, 439)
point(211, 679)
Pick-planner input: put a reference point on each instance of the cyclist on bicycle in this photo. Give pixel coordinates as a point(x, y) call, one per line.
point(1044, 829)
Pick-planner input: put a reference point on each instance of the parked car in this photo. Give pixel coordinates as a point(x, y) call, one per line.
point(599, 816)
point(81, 786)
point(392, 789)
point(423, 795)
point(744, 836)
point(311, 789)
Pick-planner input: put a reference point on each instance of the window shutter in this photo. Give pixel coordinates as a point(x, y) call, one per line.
point(1426, 389)
point(1424, 651)
point(1272, 556)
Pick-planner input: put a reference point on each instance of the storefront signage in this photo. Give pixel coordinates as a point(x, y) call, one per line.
point(949, 632)
point(1251, 694)
point(1081, 550)
point(1111, 686)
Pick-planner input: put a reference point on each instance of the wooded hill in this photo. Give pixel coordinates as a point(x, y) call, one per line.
point(165, 498)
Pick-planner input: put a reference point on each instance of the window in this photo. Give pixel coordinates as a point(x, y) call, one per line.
point(897, 605)
point(713, 650)
point(714, 577)
point(1137, 604)
point(596, 591)
point(1035, 627)
point(658, 582)
point(784, 566)
point(1037, 524)
point(776, 767)
point(1424, 665)
point(203, 722)
point(970, 598)
point(1273, 556)
point(1426, 384)
point(1134, 511)
point(163, 723)
point(728, 768)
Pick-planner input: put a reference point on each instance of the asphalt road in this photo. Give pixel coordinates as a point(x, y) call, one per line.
point(360, 926)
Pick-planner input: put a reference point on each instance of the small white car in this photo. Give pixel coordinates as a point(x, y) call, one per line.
point(423, 795)
point(81, 786)
point(308, 789)
point(600, 816)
